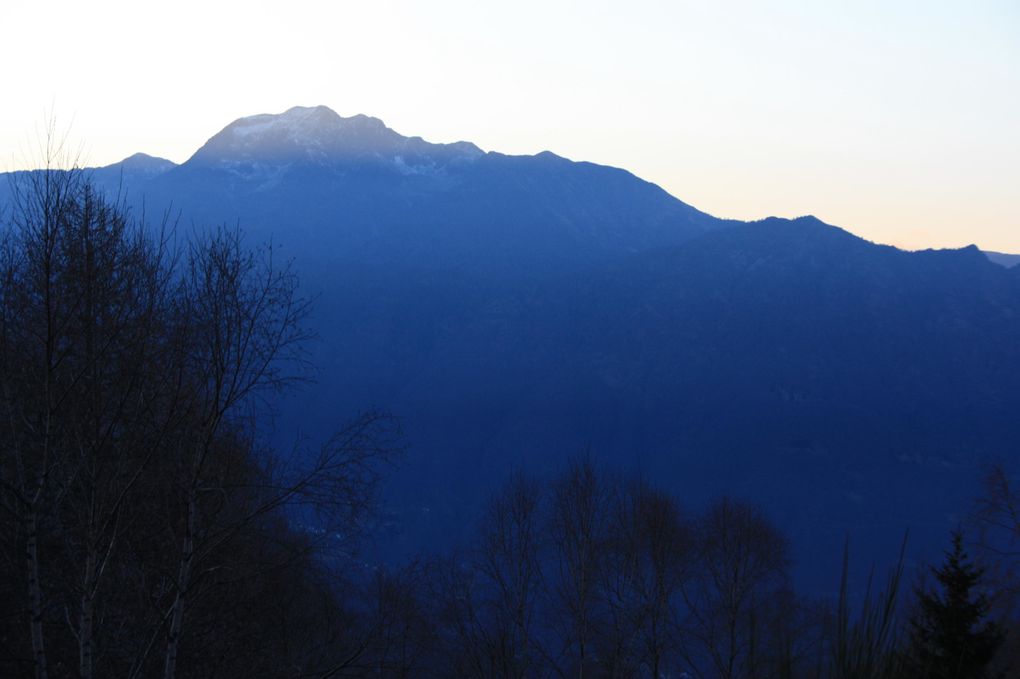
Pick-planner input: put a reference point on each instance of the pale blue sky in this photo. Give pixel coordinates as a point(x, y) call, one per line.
point(897, 120)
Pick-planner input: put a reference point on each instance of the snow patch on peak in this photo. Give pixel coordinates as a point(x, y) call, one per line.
point(310, 133)
point(320, 136)
point(299, 121)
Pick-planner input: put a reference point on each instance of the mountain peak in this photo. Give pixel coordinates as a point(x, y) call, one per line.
point(146, 164)
point(138, 166)
point(318, 135)
point(308, 123)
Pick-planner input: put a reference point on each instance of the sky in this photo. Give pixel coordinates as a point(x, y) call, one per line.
point(897, 120)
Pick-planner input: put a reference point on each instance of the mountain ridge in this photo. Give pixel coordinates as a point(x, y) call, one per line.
point(349, 190)
point(423, 157)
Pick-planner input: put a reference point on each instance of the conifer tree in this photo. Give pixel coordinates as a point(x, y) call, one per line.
point(951, 636)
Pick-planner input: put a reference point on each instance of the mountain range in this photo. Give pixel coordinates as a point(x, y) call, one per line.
point(517, 311)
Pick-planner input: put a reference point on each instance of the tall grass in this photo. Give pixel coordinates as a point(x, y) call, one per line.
point(868, 647)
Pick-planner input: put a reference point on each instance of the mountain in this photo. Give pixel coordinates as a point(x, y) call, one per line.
point(1003, 258)
point(319, 136)
point(358, 189)
point(519, 310)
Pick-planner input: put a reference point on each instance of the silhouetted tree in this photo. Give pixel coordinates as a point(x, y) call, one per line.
point(996, 529)
point(142, 522)
point(951, 636)
point(648, 554)
point(665, 550)
point(580, 505)
point(82, 393)
point(741, 574)
point(487, 598)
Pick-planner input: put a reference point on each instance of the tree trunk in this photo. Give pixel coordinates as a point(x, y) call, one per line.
point(85, 641)
point(35, 597)
point(85, 623)
point(183, 581)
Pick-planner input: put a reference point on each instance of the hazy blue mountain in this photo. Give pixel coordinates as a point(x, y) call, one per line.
point(519, 310)
point(1005, 259)
point(357, 189)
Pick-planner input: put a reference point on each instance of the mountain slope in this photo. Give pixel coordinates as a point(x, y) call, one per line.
point(844, 384)
point(358, 189)
point(1002, 258)
point(517, 310)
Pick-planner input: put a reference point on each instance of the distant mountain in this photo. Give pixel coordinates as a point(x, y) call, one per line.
point(1003, 258)
point(358, 189)
point(518, 310)
point(319, 136)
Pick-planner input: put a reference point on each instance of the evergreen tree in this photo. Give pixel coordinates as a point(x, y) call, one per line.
point(951, 637)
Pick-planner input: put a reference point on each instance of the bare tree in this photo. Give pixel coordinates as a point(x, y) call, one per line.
point(996, 524)
point(647, 559)
point(741, 570)
point(244, 335)
point(402, 633)
point(489, 599)
point(129, 390)
point(33, 390)
point(82, 300)
point(578, 528)
point(997, 516)
point(667, 550)
point(509, 558)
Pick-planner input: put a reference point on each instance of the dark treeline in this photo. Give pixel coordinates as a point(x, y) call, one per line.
point(146, 530)
point(587, 576)
point(595, 575)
